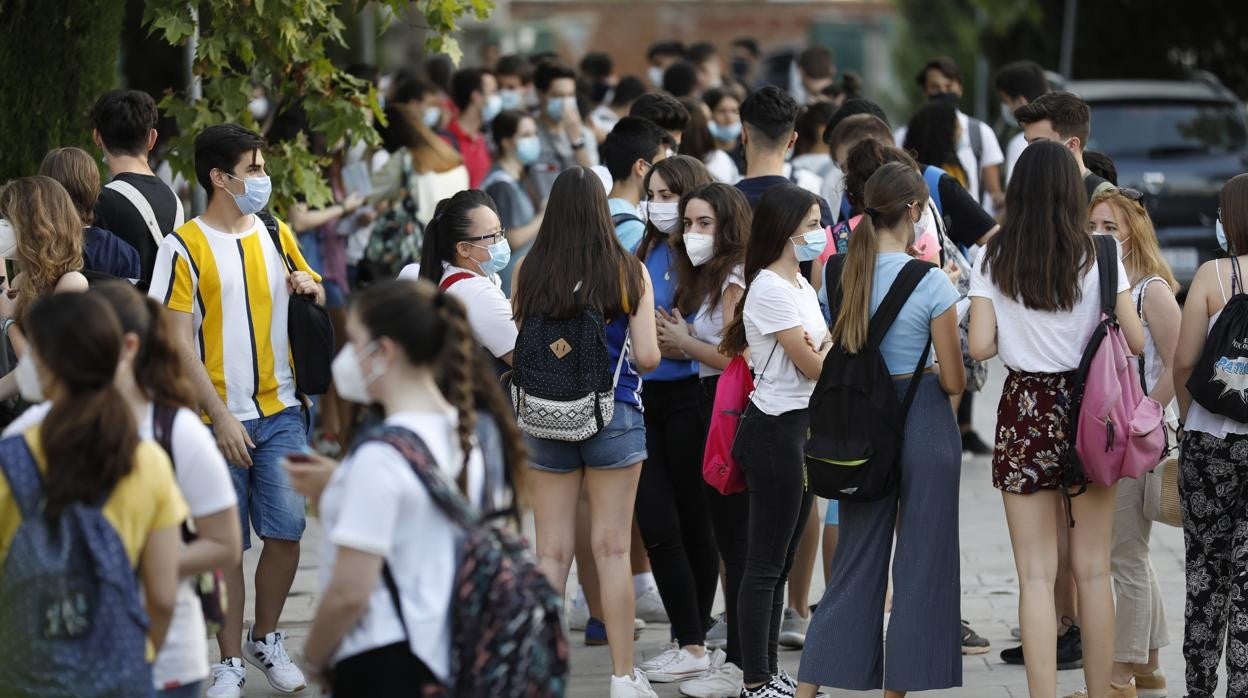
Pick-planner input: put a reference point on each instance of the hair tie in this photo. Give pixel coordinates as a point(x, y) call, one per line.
point(873, 212)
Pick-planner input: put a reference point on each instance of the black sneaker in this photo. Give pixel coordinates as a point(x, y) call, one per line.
point(973, 642)
point(971, 442)
point(1069, 649)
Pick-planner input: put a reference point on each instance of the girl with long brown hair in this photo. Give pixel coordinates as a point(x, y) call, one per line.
point(779, 321)
point(577, 263)
point(1036, 301)
point(846, 645)
point(405, 339)
point(1140, 629)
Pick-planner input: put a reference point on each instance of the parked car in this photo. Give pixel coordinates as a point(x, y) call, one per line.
point(1177, 141)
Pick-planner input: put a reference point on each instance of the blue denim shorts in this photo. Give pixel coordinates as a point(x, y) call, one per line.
point(265, 496)
point(620, 444)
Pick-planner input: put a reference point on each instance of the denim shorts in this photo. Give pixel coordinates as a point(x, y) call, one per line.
point(265, 496)
point(620, 444)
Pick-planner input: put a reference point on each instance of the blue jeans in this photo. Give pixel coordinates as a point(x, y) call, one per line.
point(265, 496)
point(187, 690)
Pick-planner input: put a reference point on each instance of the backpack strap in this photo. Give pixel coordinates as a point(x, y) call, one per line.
point(143, 206)
point(623, 217)
point(162, 429)
point(274, 228)
point(453, 279)
point(1107, 269)
point(908, 279)
point(932, 175)
point(18, 465)
point(976, 135)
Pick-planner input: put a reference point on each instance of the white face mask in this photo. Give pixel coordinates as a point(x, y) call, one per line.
point(664, 215)
point(700, 247)
point(349, 377)
point(8, 239)
point(28, 379)
point(655, 73)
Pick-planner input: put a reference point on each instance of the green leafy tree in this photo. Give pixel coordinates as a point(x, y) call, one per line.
point(281, 46)
point(55, 58)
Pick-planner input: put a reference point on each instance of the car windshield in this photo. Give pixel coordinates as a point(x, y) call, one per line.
point(1166, 129)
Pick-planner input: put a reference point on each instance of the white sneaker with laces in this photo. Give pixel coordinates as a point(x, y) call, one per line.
point(721, 680)
point(660, 659)
point(650, 607)
point(269, 655)
point(228, 677)
point(679, 666)
point(635, 686)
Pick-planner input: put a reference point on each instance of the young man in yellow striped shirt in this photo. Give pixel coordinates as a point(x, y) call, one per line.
point(228, 287)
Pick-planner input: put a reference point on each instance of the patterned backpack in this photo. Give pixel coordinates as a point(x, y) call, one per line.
point(396, 237)
point(71, 622)
point(506, 637)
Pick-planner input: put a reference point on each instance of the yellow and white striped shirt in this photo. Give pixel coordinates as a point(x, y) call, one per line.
point(235, 287)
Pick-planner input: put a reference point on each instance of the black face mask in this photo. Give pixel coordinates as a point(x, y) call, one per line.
point(740, 68)
point(950, 97)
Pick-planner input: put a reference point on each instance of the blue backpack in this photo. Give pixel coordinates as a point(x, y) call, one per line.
point(71, 622)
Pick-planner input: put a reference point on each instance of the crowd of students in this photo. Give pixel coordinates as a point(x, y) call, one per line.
point(580, 260)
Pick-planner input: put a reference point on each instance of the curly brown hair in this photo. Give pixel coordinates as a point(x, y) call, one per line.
point(49, 234)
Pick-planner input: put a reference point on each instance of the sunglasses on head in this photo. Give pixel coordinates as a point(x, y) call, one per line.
point(1132, 194)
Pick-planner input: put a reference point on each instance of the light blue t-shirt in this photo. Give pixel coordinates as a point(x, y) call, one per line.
point(628, 232)
point(906, 339)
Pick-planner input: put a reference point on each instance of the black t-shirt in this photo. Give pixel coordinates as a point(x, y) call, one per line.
point(967, 220)
point(755, 187)
point(115, 212)
point(1093, 182)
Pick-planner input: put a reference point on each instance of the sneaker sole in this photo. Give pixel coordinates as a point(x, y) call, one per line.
point(972, 650)
point(272, 685)
point(1150, 692)
point(662, 677)
point(792, 641)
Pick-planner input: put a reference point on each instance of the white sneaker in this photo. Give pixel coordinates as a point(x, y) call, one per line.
point(793, 629)
point(721, 680)
point(635, 686)
point(269, 655)
point(650, 607)
point(660, 659)
point(228, 678)
point(679, 666)
point(717, 636)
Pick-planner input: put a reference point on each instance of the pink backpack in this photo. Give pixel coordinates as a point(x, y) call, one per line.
point(719, 469)
point(1118, 429)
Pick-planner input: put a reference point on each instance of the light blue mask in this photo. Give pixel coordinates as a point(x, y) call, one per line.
point(1221, 233)
point(255, 196)
point(1008, 115)
point(511, 99)
point(433, 117)
point(528, 149)
point(555, 107)
point(725, 134)
point(500, 255)
point(493, 106)
point(814, 242)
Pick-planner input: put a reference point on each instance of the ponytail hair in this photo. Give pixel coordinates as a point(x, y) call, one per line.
point(157, 365)
point(450, 225)
point(89, 436)
point(888, 195)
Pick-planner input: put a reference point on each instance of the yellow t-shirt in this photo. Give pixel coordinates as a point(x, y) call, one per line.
point(146, 500)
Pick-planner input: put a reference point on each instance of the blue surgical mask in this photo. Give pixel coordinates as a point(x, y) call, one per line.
point(493, 105)
point(528, 149)
point(500, 255)
point(725, 134)
point(433, 116)
point(814, 242)
point(1221, 233)
point(1008, 115)
point(555, 107)
point(511, 99)
point(255, 194)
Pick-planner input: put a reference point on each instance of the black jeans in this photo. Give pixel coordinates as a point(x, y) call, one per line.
point(385, 671)
point(730, 519)
point(672, 508)
point(769, 449)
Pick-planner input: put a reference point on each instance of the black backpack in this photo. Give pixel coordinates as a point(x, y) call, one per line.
point(856, 421)
point(1219, 383)
point(308, 327)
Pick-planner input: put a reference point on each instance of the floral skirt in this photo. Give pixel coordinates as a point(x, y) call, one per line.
point(1033, 432)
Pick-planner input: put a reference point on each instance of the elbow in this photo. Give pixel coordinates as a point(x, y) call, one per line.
point(980, 353)
point(647, 359)
point(160, 601)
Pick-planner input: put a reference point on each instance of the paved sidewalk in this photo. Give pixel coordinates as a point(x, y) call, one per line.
point(989, 593)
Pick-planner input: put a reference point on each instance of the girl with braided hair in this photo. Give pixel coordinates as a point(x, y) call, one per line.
point(410, 350)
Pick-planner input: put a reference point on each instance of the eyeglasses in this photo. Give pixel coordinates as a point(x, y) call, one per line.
point(492, 237)
point(1132, 194)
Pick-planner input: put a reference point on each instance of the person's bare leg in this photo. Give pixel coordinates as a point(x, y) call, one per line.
point(638, 559)
point(894, 694)
point(1033, 536)
point(230, 636)
point(1089, 559)
point(831, 534)
point(804, 565)
point(807, 690)
point(555, 497)
point(1065, 596)
point(612, 493)
point(586, 569)
point(275, 573)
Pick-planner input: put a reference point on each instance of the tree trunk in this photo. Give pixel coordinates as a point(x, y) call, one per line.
point(56, 58)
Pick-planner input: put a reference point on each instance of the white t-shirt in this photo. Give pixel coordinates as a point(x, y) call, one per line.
point(722, 167)
point(205, 483)
point(1013, 151)
point(489, 311)
point(1041, 341)
point(772, 305)
point(991, 155)
point(375, 504)
point(708, 324)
